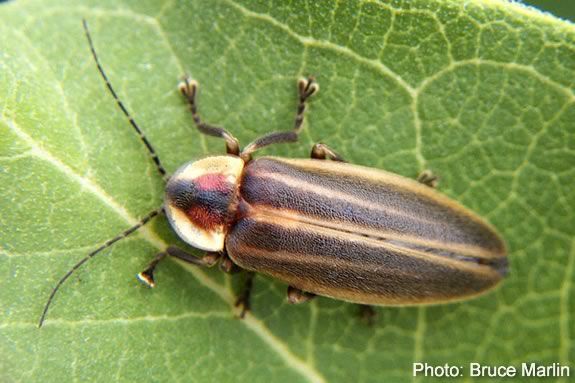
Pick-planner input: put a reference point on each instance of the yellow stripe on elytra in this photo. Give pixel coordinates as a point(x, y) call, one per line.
point(292, 221)
point(481, 271)
point(378, 176)
point(466, 250)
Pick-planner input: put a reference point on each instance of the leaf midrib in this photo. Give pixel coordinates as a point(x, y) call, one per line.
point(255, 325)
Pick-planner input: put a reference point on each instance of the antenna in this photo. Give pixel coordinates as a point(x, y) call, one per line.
point(144, 220)
point(107, 244)
point(149, 146)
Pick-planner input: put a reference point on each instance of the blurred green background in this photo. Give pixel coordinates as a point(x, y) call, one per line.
point(561, 8)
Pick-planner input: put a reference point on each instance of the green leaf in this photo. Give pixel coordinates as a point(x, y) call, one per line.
point(480, 92)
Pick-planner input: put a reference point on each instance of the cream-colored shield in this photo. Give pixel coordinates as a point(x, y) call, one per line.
point(225, 170)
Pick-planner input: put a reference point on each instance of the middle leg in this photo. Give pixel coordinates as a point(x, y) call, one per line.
point(322, 152)
point(295, 295)
point(427, 177)
point(306, 88)
point(244, 300)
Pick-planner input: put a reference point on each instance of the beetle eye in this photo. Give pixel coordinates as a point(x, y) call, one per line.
point(182, 194)
point(205, 200)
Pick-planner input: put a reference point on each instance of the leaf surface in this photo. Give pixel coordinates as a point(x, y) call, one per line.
point(481, 93)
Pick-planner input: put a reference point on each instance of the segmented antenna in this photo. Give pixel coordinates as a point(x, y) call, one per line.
point(107, 244)
point(149, 146)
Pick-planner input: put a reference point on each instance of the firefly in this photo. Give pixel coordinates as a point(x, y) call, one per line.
point(321, 225)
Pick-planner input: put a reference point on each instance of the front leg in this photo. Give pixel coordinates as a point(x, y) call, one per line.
point(208, 260)
point(189, 88)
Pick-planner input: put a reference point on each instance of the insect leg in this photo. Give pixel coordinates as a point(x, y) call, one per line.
point(322, 151)
point(367, 314)
point(243, 300)
point(227, 266)
point(306, 88)
point(147, 276)
point(427, 177)
point(189, 89)
point(295, 295)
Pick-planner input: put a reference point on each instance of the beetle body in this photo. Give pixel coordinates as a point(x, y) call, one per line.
point(336, 229)
point(321, 225)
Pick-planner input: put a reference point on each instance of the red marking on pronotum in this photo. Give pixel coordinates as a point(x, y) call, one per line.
point(212, 182)
point(205, 217)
